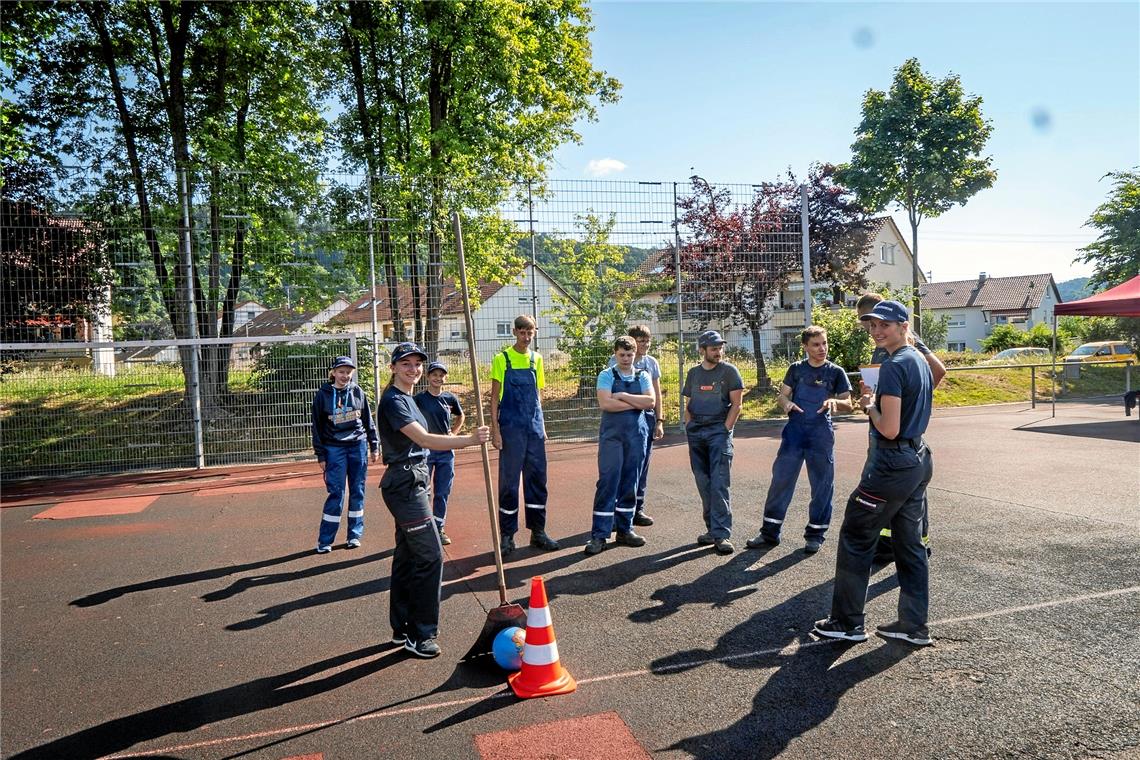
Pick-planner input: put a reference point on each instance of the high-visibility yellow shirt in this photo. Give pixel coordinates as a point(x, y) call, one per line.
point(518, 361)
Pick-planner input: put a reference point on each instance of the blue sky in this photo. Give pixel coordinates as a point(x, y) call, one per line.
point(736, 92)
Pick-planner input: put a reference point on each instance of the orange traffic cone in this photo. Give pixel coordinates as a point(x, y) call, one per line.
point(541, 675)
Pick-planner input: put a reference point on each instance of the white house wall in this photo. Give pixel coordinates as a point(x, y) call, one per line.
point(898, 274)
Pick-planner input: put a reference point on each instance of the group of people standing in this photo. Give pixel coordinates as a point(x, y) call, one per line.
point(418, 434)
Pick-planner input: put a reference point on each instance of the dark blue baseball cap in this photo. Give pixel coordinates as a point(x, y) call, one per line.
point(437, 365)
point(342, 361)
point(710, 338)
point(888, 311)
point(404, 350)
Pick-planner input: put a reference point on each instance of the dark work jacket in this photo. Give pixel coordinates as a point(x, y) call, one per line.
point(359, 426)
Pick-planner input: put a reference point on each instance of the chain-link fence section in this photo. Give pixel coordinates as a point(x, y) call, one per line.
point(114, 407)
point(218, 255)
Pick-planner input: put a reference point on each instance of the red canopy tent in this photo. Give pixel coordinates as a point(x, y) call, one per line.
point(1121, 301)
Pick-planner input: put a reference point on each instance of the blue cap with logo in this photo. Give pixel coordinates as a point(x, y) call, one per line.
point(342, 361)
point(404, 350)
point(888, 311)
point(437, 365)
point(710, 338)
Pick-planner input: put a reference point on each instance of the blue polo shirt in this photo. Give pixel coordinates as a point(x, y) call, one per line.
point(907, 375)
point(396, 411)
point(438, 410)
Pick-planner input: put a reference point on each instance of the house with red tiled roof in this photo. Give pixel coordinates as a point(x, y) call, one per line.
point(887, 256)
point(976, 306)
point(533, 292)
point(286, 321)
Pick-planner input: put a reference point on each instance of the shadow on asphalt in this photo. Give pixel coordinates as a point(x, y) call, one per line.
point(243, 584)
point(618, 574)
point(215, 706)
point(805, 688)
point(332, 596)
point(456, 572)
point(102, 597)
point(720, 587)
point(1121, 430)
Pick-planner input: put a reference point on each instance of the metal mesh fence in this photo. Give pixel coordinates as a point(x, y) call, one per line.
point(113, 407)
point(84, 260)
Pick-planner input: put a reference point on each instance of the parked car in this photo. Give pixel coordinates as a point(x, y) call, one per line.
point(1020, 355)
point(1103, 351)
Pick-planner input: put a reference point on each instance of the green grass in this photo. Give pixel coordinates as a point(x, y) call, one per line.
point(66, 420)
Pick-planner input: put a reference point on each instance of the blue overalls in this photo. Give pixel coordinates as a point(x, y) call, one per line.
point(807, 436)
point(522, 429)
point(621, 450)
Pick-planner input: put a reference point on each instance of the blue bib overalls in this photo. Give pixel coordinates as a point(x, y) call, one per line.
point(808, 437)
point(621, 450)
point(524, 449)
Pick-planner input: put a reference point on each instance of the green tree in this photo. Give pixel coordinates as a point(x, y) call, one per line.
point(466, 96)
point(848, 344)
point(1115, 254)
point(1001, 338)
point(603, 298)
point(934, 330)
point(223, 94)
point(919, 146)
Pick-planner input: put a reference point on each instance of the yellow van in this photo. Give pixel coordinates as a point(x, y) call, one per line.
point(1103, 351)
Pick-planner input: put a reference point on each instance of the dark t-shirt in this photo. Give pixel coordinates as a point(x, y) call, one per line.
point(907, 375)
point(708, 392)
point(398, 410)
point(879, 355)
point(830, 376)
point(438, 410)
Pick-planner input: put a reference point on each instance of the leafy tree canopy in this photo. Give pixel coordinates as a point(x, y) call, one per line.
point(919, 145)
point(1115, 254)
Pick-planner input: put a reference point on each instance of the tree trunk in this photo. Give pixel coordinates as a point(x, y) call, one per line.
point(916, 305)
point(434, 289)
point(763, 382)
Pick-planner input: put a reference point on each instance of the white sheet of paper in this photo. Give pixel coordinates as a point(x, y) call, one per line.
point(869, 375)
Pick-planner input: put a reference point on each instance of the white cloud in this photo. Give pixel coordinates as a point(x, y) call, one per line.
point(600, 167)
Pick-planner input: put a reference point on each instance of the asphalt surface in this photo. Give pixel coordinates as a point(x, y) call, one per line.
point(202, 625)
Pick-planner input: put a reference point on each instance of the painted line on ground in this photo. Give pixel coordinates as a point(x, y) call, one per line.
point(504, 693)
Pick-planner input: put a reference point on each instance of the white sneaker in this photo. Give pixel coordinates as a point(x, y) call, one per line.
point(353, 543)
point(324, 549)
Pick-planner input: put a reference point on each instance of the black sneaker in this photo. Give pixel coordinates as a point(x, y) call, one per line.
point(895, 630)
point(507, 545)
point(398, 638)
point(762, 541)
point(706, 539)
point(629, 539)
point(444, 538)
point(426, 648)
point(812, 546)
point(724, 546)
point(642, 520)
point(832, 629)
point(542, 541)
point(595, 546)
